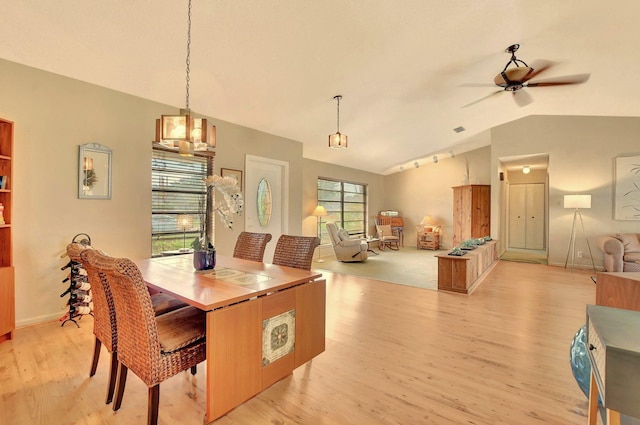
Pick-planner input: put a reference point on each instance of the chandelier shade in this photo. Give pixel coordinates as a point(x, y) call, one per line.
point(338, 140)
point(183, 131)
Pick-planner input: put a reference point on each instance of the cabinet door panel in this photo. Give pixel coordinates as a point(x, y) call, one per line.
point(517, 214)
point(535, 216)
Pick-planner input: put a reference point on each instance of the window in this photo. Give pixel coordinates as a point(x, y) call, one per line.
point(177, 189)
point(346, 204)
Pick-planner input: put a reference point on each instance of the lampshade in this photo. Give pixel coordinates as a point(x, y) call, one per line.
point(188, 133)
point(426, 220)
point(577, 201)
point(338, 140)
point(87, 164)
point(185, 221)
point(320, 211)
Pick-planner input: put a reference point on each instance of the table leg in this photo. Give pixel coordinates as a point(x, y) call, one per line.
point(613, 417)
point(593, 401)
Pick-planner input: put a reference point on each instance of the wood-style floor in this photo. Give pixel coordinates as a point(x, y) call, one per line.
point(394, 355)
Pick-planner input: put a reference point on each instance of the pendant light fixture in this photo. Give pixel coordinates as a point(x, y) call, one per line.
point(338, 140)
point(191, 134)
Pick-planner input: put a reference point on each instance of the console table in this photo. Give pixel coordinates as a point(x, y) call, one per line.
point(463, 274)
point(614, 353)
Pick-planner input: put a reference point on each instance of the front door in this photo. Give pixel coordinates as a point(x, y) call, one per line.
point(267, 199)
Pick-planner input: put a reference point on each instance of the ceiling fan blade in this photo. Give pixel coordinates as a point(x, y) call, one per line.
point(560, 81)
point(476, 85)
point(539, 67)
point(483, 98)
point(522, 98)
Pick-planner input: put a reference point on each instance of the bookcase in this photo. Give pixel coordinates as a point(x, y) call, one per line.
point(7, 292)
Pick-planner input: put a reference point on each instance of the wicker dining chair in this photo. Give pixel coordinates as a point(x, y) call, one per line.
point(153, 347)
point(251, 246)
point(295, 251)
point(104, 314)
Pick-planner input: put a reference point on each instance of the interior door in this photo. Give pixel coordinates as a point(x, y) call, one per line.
point(517, 216)
point(276, 174)
point(526, 216)
point(535, 216)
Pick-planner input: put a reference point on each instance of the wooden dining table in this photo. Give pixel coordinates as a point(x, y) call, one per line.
point(262, 321)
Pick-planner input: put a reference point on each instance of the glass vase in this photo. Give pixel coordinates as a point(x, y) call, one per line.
point(204, 260)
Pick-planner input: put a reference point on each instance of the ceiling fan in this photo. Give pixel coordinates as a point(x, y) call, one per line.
point(517, 75)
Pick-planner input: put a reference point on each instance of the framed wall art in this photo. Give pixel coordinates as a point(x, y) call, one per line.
point(237, 174)
point(627, 188)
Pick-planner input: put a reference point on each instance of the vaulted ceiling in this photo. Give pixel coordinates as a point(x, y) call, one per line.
point(405, 68)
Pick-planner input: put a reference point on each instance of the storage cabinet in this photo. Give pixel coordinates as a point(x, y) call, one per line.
point(471, 212)
point(7, 292)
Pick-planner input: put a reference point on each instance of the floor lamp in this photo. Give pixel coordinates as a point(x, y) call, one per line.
point(185, 222)
point(577, 202)
point(319, 212)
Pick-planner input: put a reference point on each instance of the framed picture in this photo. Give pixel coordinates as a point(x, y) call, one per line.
point(627, 189)
point(228, 172)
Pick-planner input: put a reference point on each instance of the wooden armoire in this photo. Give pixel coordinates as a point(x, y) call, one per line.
point(471, 212)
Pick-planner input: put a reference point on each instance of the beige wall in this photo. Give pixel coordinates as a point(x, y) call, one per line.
point(427, 191)
point(581, 160)
point(55, 114)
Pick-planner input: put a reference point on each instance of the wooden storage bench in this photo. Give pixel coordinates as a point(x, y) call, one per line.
point(463, 274)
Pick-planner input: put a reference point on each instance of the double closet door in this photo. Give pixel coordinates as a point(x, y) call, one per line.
point(526, 216)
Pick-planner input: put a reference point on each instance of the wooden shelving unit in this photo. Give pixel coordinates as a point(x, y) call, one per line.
point(7, 291)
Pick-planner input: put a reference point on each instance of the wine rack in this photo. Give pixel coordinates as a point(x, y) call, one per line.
point(78, 291)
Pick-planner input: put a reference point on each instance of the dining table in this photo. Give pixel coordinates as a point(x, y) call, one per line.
point(262, 321)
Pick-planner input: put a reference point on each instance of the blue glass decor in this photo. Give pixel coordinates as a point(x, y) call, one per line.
point(204, 260)
point(579, 359)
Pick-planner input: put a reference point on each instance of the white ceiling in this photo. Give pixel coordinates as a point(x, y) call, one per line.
point(400, 66)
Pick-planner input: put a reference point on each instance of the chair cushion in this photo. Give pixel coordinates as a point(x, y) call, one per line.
point(180, 328)
point(630, 241)
point(343, 234)
point(163, 303)
point(631, 257)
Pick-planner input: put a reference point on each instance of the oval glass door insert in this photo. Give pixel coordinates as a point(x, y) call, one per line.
point(264, 202)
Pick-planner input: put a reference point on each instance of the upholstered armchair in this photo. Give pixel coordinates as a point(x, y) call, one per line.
point(346, 248)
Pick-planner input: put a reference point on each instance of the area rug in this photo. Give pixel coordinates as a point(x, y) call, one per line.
point(407, 266)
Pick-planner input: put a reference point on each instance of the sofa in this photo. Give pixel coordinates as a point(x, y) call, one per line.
point(347, 250)
point(622, 252)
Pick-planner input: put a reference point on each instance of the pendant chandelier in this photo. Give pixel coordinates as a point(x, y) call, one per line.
point(338, 140)
point(189, 133)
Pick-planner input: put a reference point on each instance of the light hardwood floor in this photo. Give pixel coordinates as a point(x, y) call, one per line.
point(394, 355)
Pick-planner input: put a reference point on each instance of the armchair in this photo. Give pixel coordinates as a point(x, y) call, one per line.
point(346, 249)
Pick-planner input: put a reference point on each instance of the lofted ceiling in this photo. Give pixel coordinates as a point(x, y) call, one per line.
point(405, 68)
